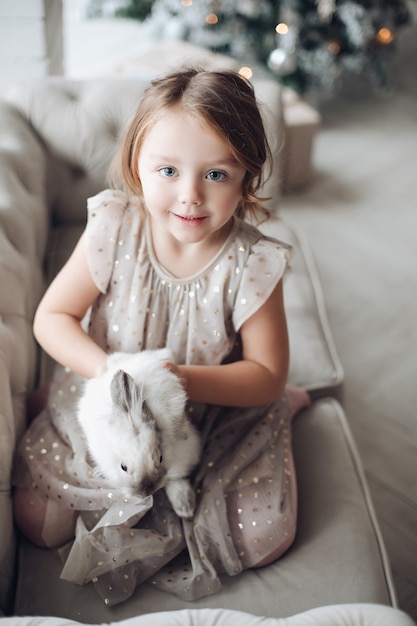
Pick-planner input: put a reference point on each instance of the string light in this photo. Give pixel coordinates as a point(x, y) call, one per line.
point(333, 47)
point(385, 36)
point(281, 28)
point(212, 18)
point(246, 72)
point(187, 3)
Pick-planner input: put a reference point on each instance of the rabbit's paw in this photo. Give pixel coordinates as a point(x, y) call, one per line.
point(182, 497)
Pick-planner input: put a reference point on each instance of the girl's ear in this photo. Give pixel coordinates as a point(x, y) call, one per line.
point(124, 391)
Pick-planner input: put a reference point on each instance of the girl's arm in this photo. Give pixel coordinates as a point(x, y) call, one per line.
point(260, 377)
point(57, 324)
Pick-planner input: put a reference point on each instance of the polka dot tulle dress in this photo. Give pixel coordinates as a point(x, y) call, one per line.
point(246, 499)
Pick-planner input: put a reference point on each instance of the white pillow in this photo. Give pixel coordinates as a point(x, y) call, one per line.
point(338, 615)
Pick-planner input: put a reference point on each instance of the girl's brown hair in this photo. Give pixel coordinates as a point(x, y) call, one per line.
point(227, 103)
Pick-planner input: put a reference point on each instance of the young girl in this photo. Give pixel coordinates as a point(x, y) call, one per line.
point(168, 260)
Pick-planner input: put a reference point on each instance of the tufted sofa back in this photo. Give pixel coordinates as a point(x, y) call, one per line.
point(77, 124)
point(57, 138)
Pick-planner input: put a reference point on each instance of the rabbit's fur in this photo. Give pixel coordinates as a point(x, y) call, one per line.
point(136, 429)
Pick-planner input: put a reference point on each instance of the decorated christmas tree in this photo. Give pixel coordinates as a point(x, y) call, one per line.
point(307, 44)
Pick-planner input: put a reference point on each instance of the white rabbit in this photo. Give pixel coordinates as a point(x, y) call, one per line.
point(136, 429)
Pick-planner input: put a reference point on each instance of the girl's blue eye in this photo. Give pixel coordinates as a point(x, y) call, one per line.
point(168, 171)
point(216, 176)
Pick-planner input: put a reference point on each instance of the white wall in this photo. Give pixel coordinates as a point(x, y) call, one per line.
point(31, 42)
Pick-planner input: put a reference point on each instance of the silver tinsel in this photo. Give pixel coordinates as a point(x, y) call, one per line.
point(357, 22)
point(326, 9)
point(321, 68)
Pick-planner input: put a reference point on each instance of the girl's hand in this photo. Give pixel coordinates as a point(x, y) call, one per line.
point(178, 371)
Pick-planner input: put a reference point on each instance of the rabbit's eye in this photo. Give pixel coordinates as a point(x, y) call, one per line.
point(124, 467)
point(160, 459)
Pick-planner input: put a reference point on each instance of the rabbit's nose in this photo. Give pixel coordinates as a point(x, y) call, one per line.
point(148, 487)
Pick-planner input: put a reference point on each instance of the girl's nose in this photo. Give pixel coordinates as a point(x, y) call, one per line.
point(190, 193)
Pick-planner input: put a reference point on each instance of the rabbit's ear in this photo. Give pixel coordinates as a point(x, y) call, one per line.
point(147, 414)
point(180, 430)
point(124, 391)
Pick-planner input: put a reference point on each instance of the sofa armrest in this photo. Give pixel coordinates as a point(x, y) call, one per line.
point(23, 233)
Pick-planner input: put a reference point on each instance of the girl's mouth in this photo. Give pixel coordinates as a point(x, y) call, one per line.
point(191, 220)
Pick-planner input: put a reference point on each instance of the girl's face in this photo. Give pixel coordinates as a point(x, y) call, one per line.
point(191, 182)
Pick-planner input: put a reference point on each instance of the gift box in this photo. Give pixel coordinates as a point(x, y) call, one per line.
point(301, 123)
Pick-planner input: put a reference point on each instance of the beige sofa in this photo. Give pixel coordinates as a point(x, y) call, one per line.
point(56, 140)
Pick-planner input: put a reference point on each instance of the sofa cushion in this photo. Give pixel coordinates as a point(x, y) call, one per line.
point(23, 227)
point(337, 557)
point(314, 362)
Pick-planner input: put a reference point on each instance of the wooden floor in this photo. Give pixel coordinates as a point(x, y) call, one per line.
point(360, 216)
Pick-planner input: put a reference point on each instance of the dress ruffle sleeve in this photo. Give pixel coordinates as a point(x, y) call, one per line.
point(265, 266)
point(105, 214)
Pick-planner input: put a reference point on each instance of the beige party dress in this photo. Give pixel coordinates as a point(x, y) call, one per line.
point(246, 500)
